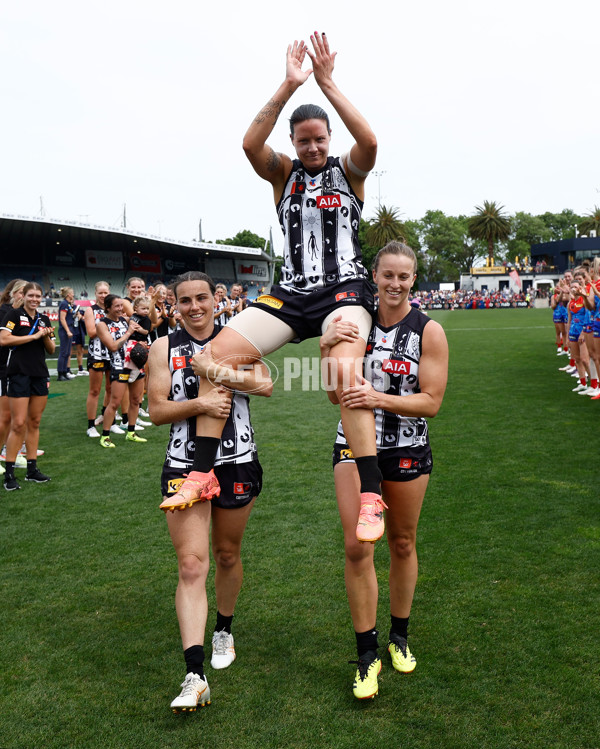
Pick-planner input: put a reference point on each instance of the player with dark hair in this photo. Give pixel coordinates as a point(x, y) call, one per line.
point(114, 331)
point(173, 398)
point(319, 199)
point(406, 369)
point(98, 359)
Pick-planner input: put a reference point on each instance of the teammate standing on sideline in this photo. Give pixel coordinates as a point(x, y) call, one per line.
point(319, 200)
point(134, 287)
point(236, 301)
point(173, 398)
point(98, 360)
point(114, 331)
point(406, 370)
point(223, 309)
point(30, 336)
point(11, 298)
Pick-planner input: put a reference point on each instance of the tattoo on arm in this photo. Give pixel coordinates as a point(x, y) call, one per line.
point(271, 111)
point(273, 161)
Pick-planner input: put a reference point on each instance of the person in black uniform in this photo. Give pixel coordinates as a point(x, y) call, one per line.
point(30, 336)
point(405, 375)
point(173, 398)
point(66, 328)
point(11, 298)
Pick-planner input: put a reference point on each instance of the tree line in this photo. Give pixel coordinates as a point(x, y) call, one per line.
point(448, 246)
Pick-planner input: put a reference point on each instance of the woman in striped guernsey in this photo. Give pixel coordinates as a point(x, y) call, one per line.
point(173, 397)
point(98, 359)
point(319, 199)
point(405, 374)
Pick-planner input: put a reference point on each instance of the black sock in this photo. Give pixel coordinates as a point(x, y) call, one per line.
point(124, 420)
point(106, 432)
point(370, 475)
point(9, 469)
point(366, 641)
point(81, 367)
point(205, 453)
point(103, 410)
point(399, 626)
point(223, 623)
point(131, 427)
point(194, 660)
point(91, 423)
point(31, 465)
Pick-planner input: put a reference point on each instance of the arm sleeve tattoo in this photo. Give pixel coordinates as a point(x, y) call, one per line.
point(273, 161)
point(271, 111)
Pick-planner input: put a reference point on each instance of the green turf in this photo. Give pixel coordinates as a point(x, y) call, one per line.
point(504, 624)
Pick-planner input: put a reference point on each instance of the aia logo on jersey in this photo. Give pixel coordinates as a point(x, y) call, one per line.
point(179, 362)
point(298, 188)
point(345, 295)
point(241, 488)
point(329, 201)
point(396, 367)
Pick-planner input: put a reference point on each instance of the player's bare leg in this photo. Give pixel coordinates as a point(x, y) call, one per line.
point(359, 428)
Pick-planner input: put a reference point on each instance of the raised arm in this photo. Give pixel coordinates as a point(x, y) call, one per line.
point(364, 150)
point(271, 166)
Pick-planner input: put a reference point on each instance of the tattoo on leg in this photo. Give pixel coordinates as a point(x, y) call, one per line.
point(272, 110)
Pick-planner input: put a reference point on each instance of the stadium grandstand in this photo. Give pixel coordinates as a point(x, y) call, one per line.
point(59, 253)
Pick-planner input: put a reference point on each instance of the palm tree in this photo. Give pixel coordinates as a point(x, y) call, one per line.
point(489, 224)
point(591, 222)
point(385, 227)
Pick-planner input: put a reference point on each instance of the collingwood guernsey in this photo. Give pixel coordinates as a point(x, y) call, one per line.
point(392, 366)
point(319, 217)
point(96, 349)
point(237, 441)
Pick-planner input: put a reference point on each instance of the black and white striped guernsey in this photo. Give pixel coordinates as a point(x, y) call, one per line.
point(237, 441)
point(319, 216)
point(96, 349)
point(117, 330)
point(392, 366)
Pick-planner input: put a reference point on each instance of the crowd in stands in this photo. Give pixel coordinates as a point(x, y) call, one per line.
point(473, 299)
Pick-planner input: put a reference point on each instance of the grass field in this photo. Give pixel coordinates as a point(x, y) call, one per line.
point(505, 619)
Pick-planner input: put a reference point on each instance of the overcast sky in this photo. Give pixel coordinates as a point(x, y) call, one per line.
point(145, 104)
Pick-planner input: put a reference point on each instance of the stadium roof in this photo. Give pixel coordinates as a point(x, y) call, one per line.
point(44, 241)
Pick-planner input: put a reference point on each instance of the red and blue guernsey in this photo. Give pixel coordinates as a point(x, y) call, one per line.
point(580, 317)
